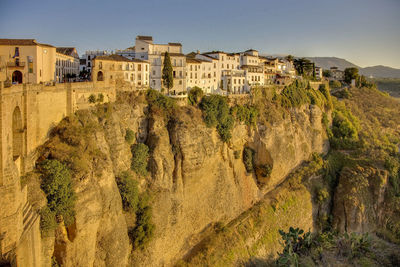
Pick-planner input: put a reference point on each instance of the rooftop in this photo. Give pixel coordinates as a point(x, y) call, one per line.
point(175, 44)
point(69, 51)
point(118, 58)
point(23, 42)
point(144, 38)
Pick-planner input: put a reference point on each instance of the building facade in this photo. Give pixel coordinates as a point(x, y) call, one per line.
point(67, 64)
point(145, 49)
point(87, 62)
point(26, 61)
point(120, 69)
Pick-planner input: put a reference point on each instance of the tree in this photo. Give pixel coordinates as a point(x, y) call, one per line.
point(168, 78)
point(289, 58)
point(326, 73)
point(304, 67)
point(195, 95)
point(350, 74)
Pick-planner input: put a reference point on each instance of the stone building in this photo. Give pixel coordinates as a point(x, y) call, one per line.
point(87, 58)
point(67, 64)
point(119, 68)
point(27, 61)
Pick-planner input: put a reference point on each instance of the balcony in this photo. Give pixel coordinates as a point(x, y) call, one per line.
point(16, 64)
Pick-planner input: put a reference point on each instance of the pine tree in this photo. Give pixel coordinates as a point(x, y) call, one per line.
point(168, 79)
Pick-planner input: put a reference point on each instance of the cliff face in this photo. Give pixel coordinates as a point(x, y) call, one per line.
point(196, 181)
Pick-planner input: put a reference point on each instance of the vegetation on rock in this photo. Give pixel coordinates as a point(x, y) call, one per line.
point(216, 113)
point(129, 136)
point(140, 156)
point(195, 95)
point(128, 189)
point(57, 185)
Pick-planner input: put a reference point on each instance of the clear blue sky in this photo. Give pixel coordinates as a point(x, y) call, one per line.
point(365, 32)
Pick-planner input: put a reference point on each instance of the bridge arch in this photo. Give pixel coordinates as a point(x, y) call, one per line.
point(17, 133)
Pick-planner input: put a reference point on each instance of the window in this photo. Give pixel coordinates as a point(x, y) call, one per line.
point(215, 65)
point(147, 67)
point(88, 57)
point(174, 74)
point(154, 72)
point(195, 75)
point(139, 67)
point(88, 64)
point(16, 54)
point(180, 74)
point(139, 77)
point(191, 67)
point(191, 75)
point(180, 82)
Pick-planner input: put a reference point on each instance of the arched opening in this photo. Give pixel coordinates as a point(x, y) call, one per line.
point(17, 133)
point(100, 76)
point(17, 77)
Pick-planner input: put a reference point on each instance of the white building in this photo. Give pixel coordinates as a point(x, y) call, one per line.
point(201, 73)
point(67, 64)
point(145, 49)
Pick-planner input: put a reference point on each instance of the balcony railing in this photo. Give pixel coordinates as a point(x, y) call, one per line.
point(15, 64)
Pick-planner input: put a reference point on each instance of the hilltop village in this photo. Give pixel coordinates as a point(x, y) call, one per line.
point(141, 66)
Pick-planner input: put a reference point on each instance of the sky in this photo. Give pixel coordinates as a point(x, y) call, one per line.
point(365, 32)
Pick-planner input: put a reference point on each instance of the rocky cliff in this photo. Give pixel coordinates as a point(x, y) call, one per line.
point(196, 180)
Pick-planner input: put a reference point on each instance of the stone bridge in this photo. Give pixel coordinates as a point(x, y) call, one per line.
point(27, 114)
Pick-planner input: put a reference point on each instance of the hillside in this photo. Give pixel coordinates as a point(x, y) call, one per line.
point(375, 71)
point(148, 181)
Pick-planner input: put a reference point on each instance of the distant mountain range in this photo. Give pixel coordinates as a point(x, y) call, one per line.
point(374, 71)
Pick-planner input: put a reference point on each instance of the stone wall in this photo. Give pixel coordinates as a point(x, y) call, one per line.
point(28, 112)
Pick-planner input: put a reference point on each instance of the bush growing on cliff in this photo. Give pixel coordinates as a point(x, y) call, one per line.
point(295, 242)
point(100, 98)
point(128, 189)
point(47, 220)
point(57, 185)
point(143, 231)
point(344, 129)
point(195, 95)
point(129, 136)
point(216, 113)
point(140, 155)
point(92, 98)
point(247, 114)
point(248, 155)
point(160, 103)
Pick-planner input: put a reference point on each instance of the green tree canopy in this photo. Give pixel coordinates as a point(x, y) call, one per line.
point(168, 79)
point(350, 74)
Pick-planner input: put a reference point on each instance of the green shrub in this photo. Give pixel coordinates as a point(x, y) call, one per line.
point(160, 103)
point(295, 242)
point(129, 136)
point(100, 98)
point(322, 195)
point(236, 154)
point(248, 157)
point(140, 155)
point(92, 98)
point(47, 220)
point(325, 92)
point(344, 129)
point(216, 113)
point(264, 170)
point(143, 231)
point(195, 95)
point(128, 189)
point(335, 84)
point(247, 114)
point(56, 184)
